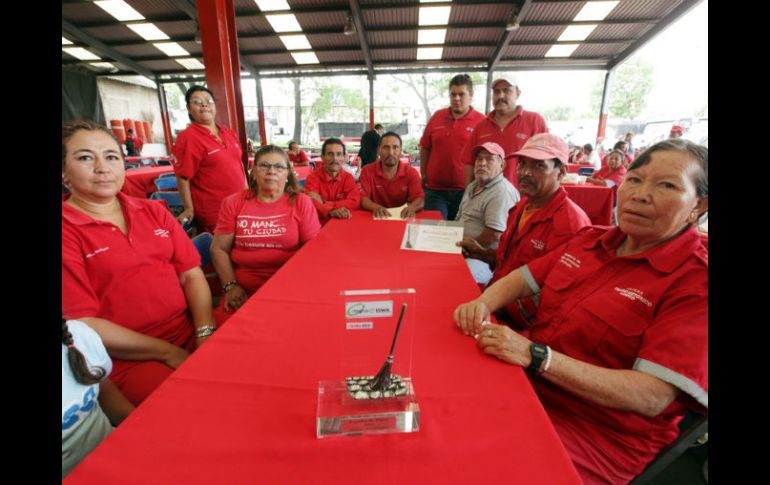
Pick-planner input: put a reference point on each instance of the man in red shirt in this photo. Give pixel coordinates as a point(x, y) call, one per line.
point(545, 218)
point(296, 155)
point(334, 191)
point(442, 146)
point(388, 183)
point(508, 125)
point(134, 144)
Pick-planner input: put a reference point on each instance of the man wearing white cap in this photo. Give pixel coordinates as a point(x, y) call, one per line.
point(542, 220)
point(508, 125)
point(484, 206)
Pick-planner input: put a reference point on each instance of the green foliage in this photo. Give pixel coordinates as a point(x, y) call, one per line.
point(560, 112)
point(332, 101)
point(410, 145)
point(631, 83)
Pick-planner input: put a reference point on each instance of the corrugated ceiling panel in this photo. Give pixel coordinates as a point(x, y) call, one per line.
point(394, 37)
point(391, 16)
point(473, 35)
point(333, 40)
point(620, 31)
point(316, 3)
point(385, 55)
point(629, 9)
point(173, 29)
point(525, 51)
point(552, 12)
point(270, 59)
point(262, 43)
point(599, 50)
point(322, 20)
point(138, 50)
point(150, 8)
point(114, 33)
point(164, 65)
point(481, 53)
point(84, 12)
point(479, 13)
point(244, 4)
point(192, 47)
point(253, 24)
point(340, 56)
point(538, 34)
point(385, 2)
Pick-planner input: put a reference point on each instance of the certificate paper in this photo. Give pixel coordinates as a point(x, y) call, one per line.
point(433, 236)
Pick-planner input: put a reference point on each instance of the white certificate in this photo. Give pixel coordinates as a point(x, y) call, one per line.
point(434, 236)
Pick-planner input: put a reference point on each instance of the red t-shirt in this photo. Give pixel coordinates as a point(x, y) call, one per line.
point(511, 138)
point(267, 234)
point(617, 176)
point(549, 227)
point(300, 157)
point(647, 312)
point(132, 280)
point(404, 187)
point(446, 137)
point(339, 192)
point(214, 168)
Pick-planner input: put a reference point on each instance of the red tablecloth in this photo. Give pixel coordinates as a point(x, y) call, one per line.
point(302, 172)
point(139, 181)
point(242, 408)
point(595, 200)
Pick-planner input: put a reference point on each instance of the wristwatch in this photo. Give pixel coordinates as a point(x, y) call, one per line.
point(539, 353)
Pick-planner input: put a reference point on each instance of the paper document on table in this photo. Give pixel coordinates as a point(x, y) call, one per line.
point(433, 236)
point(395, 214)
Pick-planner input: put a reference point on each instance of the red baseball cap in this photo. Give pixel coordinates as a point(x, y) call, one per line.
point(677, 128)
point(545, 146)
point(491, 147)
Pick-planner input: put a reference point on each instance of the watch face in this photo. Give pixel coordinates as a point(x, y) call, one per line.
point(538, 349)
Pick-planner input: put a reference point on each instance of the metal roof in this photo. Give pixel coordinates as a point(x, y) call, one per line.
point(386, 36)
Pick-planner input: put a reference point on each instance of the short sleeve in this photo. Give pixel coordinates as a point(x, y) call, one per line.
point(472, 142)
point(536, 271)
point(309, 226)
point(540, 125)
point(185, 160)
point(367, 181)
point(303, 157)
point(186, 256)
point(496, 212)
point(228, 212)
point(414, 182)
point(78, 297)
point(425, 141)
point(90, 345)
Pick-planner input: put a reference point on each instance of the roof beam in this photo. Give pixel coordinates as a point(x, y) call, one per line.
point(355, 11)
point(507, 35)
point(105, 50)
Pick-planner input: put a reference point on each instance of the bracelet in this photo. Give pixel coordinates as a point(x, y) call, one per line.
point(204, 331)
point(229, 285)
point(547, 363)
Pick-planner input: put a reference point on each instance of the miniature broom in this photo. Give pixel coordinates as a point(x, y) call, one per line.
point(382, 380)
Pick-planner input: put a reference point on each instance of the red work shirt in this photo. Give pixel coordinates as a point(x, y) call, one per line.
point(132, 280)
point(300, 157)
point(339, 192)
point(617, 176)
point(511, 138)
point(214, 168)
point(625, 164)
point(446, 137)
point(647, 312)
point(266, 234)
point(551, 226)
point(404, 187)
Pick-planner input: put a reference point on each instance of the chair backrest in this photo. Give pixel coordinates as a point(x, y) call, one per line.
point(131, 165)
point(172, 199)
point(164, 184)
point(165, 175)
point(586, 171)
point(146, 162)
point(202, 243)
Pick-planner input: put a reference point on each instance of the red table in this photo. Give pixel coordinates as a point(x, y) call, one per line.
point(139, 181)
point(595, 200)
point(242, 408)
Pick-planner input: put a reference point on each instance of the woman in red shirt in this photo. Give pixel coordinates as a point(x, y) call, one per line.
point(611, 175)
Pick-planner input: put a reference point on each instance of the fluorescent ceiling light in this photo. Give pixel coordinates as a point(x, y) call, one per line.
point(284, 23)
point(65, 41)
point(564, 50)
point(272, 5)
point(171, 49)
point(295, 42)
point(434, 15)
point(120, 10)
point(434, 1)
point(191, 64)
point(81, 53)
point(431, 36)
point(595, 10)
point(148, 31)
point(429, 53)
point(305, 58)
point(104, 65)
point(577, 32)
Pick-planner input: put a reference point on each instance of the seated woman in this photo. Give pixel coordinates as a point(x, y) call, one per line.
point(260, 228)
point(611, 175)
point(129, 270)
point(90, 404)
point(619, 347)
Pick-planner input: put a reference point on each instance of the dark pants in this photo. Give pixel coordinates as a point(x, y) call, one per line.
point(446, 201)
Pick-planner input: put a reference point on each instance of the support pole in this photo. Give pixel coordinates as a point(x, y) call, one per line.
point(261, 111)
point(604, 111)
point(371, 102)
point(167, 133)
point(489, 92)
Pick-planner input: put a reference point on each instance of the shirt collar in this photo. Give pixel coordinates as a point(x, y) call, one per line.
point(328, 178)
point(450, 116)
point(491, 115)
point(472, 186)
point(401, 172)
point(76, 217)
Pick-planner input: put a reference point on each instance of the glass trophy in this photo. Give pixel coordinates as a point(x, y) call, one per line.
point(373, 391)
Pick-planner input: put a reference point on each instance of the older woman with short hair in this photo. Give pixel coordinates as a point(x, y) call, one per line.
point(619, 348)
point(260, 228)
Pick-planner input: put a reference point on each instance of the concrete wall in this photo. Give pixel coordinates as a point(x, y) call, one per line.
point(123, 100)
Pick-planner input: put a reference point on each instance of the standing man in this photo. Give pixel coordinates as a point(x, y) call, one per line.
point(370, 141)
point(389, 183)
point(133, 144)
point(508, 125)
point(296, 155)
point(442, 146)
point(676, 132)
point(333, 191)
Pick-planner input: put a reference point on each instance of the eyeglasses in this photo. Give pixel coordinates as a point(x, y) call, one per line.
point(201, 101)
point(278, 167)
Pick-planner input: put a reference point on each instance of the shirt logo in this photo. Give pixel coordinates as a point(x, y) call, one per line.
point(633, 294)
point(469, 129)
point(569, 260)
point(91, 255)
point(524, 136)
point(538, 244)
point(214, 151)
point(161, 232)
point(484, 136)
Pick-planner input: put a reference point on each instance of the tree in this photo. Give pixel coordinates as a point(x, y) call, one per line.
point(297, 134)
point(560, 112)
point(434, 94)
point(630, 85)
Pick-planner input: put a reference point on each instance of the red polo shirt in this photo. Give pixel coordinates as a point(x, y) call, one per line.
point(300, 157)
point(214, 168)
point(404, 187)
point(131, 280)
point(339, 192)
point(511, 138)
point(617, 176)
point(446, 137)
point(551, 226)
point(647, 312)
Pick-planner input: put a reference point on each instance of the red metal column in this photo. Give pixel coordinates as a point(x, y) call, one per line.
point(223, 67)
point(604, 111)
point(167, 134)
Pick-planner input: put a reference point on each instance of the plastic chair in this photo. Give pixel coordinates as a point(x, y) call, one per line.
point(131, 165)
point(202, 243)
point(147, 162)
point(164, 175)
point(174, 203)
point(164, 184)
point(587, 171)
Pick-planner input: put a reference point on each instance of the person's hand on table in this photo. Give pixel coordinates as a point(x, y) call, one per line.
point(381, 213)
point(469, 316)
point(175, 356)
point(470, 247)
point(408, 212)
point(234, 298)
point(186, 216)
point(340, 213)
point(502, 342)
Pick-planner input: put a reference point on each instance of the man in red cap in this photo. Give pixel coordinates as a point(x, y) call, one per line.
point(542, 220)
point(508, 125)
point(485, 205)
point(676, 132)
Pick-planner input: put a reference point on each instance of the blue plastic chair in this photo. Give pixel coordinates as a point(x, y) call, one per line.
point(131, 165)
point(164, 184)
point(164, 175)
point(202, 243)
point(174, 203)
point(587, 171)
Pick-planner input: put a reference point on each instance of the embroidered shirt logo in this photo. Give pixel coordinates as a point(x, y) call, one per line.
point(161, 232)
point(469, 129)
point(100, 250)
point(214, 151)
point(485, 135)
point(538, 244)
point(522, 136)
point(569, 260)
point(633, 294)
